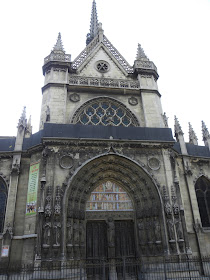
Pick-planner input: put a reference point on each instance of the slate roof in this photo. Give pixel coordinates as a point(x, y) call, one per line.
point(79, 131)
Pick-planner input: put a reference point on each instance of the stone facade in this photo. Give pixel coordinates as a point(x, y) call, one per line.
point(102, 127)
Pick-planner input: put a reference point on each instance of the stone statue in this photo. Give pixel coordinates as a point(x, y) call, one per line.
point(141, 230)
point(170, 224)
point(82, 232)
point(111, 232)
point(48, 114)
point(47, 233)
point(57, 233)
point(69, 232)
point(157, 229)
point(179, 231)
point(76, 233)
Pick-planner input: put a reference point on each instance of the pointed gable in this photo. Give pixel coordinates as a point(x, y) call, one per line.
point(101, 49)
point(91, 67)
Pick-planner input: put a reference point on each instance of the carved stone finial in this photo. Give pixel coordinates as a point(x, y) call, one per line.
point(141, 54)
point(59, 45)
point(165, 119)
point(192, 136)
point(205, 133)
point(177, 127)
point(93, 24)
point(23, 121)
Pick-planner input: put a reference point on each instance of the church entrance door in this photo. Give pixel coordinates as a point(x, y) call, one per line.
point(96, 240)
point(124, 239)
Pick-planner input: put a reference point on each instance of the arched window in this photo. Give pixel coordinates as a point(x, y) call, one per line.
point(3, 203)
point(202, 188)
point(104, 111)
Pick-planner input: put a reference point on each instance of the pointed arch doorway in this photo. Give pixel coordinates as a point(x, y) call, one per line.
point(110, 222)
point(90, 216)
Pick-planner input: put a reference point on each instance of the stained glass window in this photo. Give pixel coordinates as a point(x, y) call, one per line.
point(3, 202)
point(202, 188)
point(104, 111)
point(109, 197)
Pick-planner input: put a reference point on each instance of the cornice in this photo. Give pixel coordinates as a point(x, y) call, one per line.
point(75, 142)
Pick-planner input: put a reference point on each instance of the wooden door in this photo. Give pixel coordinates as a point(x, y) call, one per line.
point(124, 239)
point(96, 240)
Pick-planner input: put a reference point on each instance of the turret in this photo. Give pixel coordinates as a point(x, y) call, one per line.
point(56, 68)
point(147, 75)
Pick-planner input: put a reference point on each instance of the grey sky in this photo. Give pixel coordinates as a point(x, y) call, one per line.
point(174, 35)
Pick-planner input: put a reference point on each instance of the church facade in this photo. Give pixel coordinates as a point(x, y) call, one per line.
point(103, 177)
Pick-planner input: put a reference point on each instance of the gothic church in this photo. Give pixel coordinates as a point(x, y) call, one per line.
point(103, 177)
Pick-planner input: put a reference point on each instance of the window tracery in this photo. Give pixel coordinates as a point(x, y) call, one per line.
point(202, 189)
point(104, 111)
point(3, 203)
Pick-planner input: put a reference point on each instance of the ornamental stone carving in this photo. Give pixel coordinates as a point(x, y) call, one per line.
point(74, 97)
point(133, 101)
point(66, 161)
point(153, 163)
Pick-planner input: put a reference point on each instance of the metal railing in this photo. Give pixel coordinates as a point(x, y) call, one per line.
point(185, 268)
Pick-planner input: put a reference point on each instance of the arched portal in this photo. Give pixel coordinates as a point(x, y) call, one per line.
point(135, 204)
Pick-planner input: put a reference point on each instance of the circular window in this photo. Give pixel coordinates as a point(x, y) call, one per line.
point(102, 66)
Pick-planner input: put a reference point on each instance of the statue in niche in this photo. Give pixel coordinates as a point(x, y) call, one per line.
point(157, 229)
point(47, 233)
point(57, 233)
point(149, 226)
point(170, 224)
point(179, 231)
point(76, 233)
point(82, 232)
point(111, 232)
point(69, 232)
point(141, 230)
point(48, 114)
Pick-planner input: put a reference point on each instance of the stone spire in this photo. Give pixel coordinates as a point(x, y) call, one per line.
point(141, 54)
point(59, 45)
point(206, 135)
point(192, 136)
point(93, 24)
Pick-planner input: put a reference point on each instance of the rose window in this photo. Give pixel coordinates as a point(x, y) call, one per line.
point(102, 66)
point(104, 111)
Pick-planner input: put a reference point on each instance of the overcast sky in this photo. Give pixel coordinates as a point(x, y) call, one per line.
point(175, 35)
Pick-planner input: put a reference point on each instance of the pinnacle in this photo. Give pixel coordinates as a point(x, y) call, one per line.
point(141, 54)
point(192, 136)
point(177, 127)
point(205, 132)
point(23, 121)
point(59, 45)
